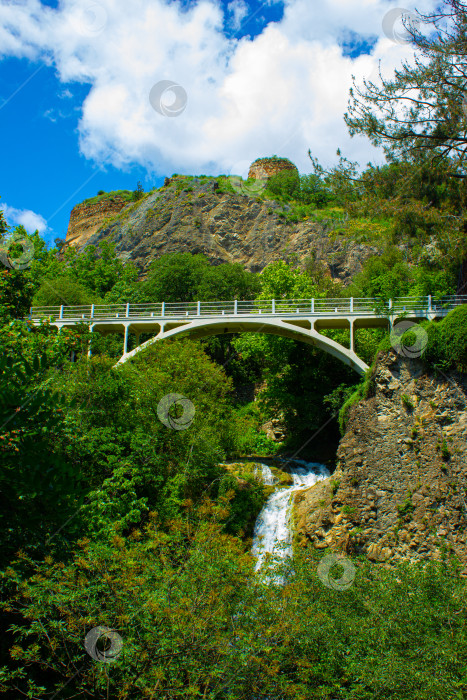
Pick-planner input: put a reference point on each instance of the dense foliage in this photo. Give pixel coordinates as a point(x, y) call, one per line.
point(120, 505)
point(110, 517)
point(447, 341)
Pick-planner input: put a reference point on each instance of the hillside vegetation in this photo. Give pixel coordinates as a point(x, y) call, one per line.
point(122, 512)
point(96, 489)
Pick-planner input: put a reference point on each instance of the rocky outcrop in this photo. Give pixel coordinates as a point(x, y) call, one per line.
point(275, 429)
point(400, 487)
point(267, 167)
point(86, 219)
point(199, 216)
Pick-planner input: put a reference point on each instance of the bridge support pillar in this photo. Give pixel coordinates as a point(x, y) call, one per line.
point(91, 327)
point(352, 336)
point(125, 338)
point(137, 336)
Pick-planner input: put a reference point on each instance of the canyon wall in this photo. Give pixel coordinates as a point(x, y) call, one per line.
point(86, 219)
point(198, 216)
point(400, 487)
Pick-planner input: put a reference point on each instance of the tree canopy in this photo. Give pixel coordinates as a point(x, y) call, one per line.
point(422, 109)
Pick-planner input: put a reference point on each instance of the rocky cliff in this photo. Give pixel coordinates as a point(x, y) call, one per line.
point(199, 216)
point(399, 490)
point(86, 219)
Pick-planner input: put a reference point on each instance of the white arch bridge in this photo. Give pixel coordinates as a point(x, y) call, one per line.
point(299, 319)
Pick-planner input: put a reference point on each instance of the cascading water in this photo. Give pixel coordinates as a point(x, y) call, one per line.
point(272, 533)
point(266, 475)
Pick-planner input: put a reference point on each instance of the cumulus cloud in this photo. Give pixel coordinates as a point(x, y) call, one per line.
point(282, 92)
point(238, 9)
point(24, 217)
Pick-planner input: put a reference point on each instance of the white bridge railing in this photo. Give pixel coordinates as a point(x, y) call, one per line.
point(308, 307)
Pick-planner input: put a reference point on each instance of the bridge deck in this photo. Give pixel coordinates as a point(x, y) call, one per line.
point(323, 309)
point(298, 319)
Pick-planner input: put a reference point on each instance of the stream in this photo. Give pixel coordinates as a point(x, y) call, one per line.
point(272, 533)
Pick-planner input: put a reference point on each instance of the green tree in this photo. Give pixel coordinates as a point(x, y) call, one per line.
point(139, 191)
point(15, 294)
point(447, 341)
point(174, 277)
point(280, 280)
point(314, 191)
point(38, 486)
point(98, 268)
point(227, 281)
point(284, 185)
point(185, 277)
point(64, 291)
point(420, 110)
point(384, 276)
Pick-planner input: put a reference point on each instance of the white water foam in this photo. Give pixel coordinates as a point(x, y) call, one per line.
point(272, 533)
point(266, 475)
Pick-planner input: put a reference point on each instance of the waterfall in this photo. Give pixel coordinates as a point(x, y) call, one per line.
point(266, 475)
point(272, 533)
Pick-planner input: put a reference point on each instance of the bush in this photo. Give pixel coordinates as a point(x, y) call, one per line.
point(313, 191)
point(407, 402)
point(285, 184)
point(447, 341)
point(139, 192)
point(63, 291)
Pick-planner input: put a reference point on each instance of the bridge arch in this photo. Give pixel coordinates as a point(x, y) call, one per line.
point(301, 331)
point(299, 319)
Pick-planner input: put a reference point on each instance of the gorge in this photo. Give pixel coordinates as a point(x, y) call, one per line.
point(196, 502)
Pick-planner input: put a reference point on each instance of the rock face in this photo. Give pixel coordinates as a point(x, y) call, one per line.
point(399, 490)
point(267, 167)
point(86, 219)
point(198, 216)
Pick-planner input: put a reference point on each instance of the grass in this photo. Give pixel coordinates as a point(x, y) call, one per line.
point(126, 195)
point(406, 508)
point(407, 402)
point(335, 483)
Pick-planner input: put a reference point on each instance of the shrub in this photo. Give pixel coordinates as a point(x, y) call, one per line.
point(447, 341)
point(345, 410)
point(64, 291)
point(335, 483)
point(445, 453)
point(313, 191)
point(348, 510)
point(406, 508)
point(139, 192)
point(285, 184)
point(407, 402)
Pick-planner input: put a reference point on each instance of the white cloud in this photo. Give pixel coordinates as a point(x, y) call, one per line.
point(282, 92)
point(238, 9)
point(24, 217)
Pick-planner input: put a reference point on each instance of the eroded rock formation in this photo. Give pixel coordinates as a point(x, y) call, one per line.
point(87, 219)
point(400, 488)
point(197, 216)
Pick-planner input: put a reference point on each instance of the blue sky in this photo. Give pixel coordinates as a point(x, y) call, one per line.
point(43, 170)
point(260, 78)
